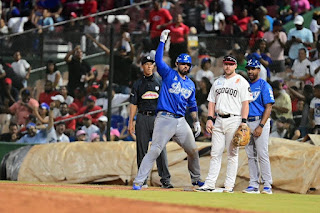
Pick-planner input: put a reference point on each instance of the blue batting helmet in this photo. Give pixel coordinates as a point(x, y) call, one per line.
point(184, 58)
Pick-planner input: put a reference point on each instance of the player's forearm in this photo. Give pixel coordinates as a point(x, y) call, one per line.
point(211, 107)
point(194, 116)
point(245, 109)
point(266, 114)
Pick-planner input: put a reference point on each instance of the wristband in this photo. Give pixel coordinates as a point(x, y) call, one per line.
point(244, 120)
point(211, 118)
point(262, 125)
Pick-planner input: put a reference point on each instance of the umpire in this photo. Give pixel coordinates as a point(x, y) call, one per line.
point(143, 98)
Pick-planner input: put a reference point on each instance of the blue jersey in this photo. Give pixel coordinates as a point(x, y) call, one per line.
point(262, 95)
point(176, 94)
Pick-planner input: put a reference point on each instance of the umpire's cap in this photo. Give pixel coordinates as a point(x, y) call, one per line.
point(253, 63)
point(146, 59)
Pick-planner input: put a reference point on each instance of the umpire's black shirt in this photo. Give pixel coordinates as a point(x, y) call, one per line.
point(145, 92)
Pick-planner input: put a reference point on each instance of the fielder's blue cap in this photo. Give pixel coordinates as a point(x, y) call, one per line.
point(253, 63)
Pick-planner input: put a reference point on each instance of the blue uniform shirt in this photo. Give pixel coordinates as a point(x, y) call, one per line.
point(262, 95)
point(176, 94)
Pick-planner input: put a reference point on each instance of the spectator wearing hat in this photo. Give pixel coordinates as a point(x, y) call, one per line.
point(64, 114)
point(16, 22)
point(256, 34)
point(21, 68)
point(298, 37)
point(102, 124)
point(205, 71)
point(179, 36)
point(73, 109)
point(49, 92)
point(276, 43)
point(78, 70)
point(91, 107)
point(282, 106)
point(88, 127)
point(58, 99)
point(95, 137)
point(81, 135)
point(9, 94)
point(23, 108)
point(42, 113)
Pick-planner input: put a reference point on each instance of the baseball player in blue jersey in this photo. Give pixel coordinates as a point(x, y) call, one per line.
point(259, 123)
point(176, 94)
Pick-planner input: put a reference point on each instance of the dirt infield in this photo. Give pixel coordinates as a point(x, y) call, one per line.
point(29, 198)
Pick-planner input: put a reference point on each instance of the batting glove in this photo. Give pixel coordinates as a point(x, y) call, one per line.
point(197, 128)
point(164, 36)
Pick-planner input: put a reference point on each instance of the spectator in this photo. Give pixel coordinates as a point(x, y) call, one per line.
point(78, 70)
point(91, 107)
point(214, 18)
point(56, 134)
point(92, 29)
point(159, 19)
point(315, 110)
point(54, 75)
point(64, 114)
point(282, 105)
point(95, 137)
point(226, 7)
point(13, 134)
point(205, 71)
point(263, 19)
point(46, 20)
point(8, 72)
point(292, 133)
point(256, 33)
point(81, 135)
point(102, 124)
point(276, 41)
point(9, 94)
point(300, 69)
point(73, 109)
point(242, 24)
point(88, 127)
point(23, 108)
point(90, 7)
point(192, 11)
point(45, 97)
point(3, 28)
point(239, 54)
point(298, 37)
point(315, 24)
point(300, 6)
point(64, 92)
point(21, 68)
point(58, 100)
point(41, 114)
point(179, 36)
point(16, 23)
point(279, 129)
point(297, 115)
point(285, 11)
point(72, 30)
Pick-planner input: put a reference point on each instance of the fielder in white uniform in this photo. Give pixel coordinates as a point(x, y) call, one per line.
point(228, 109)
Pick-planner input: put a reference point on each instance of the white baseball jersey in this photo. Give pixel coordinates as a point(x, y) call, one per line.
point(228, 94)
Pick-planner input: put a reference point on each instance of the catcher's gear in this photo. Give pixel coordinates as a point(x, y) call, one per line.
point(242, 136)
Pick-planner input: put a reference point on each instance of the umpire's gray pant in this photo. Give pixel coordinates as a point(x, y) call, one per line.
point(165, 128)
point(256, 150)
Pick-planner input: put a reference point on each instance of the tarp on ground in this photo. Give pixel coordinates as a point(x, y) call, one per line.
point(295, 166)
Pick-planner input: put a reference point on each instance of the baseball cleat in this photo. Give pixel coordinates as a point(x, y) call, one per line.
point(266, 190)
point(166, 185)
point(251, 190)
point(136, 186)
point(228, 190)
point(144, 186)
point(198, 183)
point(205, 188)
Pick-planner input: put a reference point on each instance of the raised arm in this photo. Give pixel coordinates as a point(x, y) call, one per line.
point(101, 46)
point(162, 68)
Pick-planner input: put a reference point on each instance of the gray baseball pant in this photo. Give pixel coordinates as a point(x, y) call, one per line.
point(256, 150)
point(165, 128)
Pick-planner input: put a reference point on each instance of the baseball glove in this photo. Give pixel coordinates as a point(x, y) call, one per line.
point(242, 136)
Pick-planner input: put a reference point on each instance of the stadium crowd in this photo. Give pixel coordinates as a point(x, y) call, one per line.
point(291, 63)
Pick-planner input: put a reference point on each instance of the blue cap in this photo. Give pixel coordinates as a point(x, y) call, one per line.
point(253, 63)
point(30, 125)
point(45, 106)
point(205, 60)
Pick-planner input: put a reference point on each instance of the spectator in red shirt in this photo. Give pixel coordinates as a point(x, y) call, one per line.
point(256, 33)
point(70, 125)
point(179, 36)
point(159, 19)
point(90, 7)
point(45, 97)
point(90, 107)
point(241, 23)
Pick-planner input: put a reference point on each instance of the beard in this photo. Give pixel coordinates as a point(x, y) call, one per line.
point(183, 72)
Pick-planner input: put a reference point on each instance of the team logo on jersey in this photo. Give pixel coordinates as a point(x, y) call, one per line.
point(150, 95)
point(157, 88)
point(175, 78)
point(176, 89)
point(271, 94)
point(227, 90)
point(249, 89)
point(238, 80)
point(255, 95)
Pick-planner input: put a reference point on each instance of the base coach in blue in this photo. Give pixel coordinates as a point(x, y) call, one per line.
point(144, 98)
point(259, 123)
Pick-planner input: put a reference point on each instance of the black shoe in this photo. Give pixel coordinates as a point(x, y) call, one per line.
point(166, 185)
